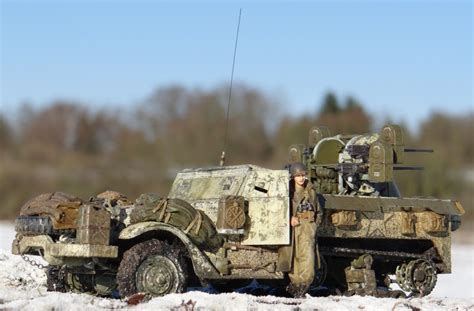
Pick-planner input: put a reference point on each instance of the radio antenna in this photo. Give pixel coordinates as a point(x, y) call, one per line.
point(230, 93)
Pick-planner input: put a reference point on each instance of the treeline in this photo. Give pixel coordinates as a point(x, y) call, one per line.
point(72, 147)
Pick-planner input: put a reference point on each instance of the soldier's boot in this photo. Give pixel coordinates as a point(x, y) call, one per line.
point(297, 290)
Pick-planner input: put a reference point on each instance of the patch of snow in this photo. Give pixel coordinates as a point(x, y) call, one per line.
point(460, 282)
point(23, 287)
point(15, 272)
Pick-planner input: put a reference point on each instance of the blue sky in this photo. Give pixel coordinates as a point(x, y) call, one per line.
point(402, 59)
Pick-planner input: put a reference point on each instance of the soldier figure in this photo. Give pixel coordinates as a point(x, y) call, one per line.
point(299, 257)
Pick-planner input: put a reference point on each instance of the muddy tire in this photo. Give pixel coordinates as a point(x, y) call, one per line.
point(153, 267)
point(36, 225)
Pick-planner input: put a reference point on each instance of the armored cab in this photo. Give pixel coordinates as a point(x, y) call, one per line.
point(247, 203)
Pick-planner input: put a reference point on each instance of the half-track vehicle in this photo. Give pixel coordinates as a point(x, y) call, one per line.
point(224, 226)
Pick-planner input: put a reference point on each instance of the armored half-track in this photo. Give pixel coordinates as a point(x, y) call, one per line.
point(225, 225)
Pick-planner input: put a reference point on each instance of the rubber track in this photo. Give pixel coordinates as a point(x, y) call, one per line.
point(343, 252)
point(133, 257)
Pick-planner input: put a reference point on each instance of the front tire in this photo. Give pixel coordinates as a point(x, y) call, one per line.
point(153, 267)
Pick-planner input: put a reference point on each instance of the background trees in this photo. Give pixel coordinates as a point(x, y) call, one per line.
point(71, 147)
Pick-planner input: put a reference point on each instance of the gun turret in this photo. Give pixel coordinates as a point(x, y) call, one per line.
point(363, 164)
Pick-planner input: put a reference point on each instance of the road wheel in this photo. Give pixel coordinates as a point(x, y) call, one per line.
point(152, 267)
point(80, 283)
point(418, 277)
point(100, 283)
point(56, 279)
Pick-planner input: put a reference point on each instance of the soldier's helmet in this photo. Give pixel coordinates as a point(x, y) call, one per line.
point(297, 169)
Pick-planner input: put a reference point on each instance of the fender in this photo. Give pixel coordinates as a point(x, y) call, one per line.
point(202, 267)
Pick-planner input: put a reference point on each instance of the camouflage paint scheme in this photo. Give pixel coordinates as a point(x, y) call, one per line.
point(363, 215)
point(385, 217)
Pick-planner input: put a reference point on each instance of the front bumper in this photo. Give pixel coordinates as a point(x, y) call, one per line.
point(54, 252)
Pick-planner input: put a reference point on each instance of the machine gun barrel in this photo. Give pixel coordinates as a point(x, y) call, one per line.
point(351, 168)
point(418, 150)
point(408, 168)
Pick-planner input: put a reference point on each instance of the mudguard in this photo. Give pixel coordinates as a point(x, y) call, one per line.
point(202, 267)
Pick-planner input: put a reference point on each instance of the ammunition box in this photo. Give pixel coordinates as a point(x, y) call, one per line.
point(316, 134)
point(296, 153)
point(380, 162)
point(392, 134)
point(93, 225)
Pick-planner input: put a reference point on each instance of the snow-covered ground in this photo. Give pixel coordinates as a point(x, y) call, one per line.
point(22, 286)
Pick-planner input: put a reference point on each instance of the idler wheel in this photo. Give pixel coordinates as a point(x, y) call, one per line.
point(417, 277)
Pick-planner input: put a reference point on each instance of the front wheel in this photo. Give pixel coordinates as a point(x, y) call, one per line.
point(153, 267)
